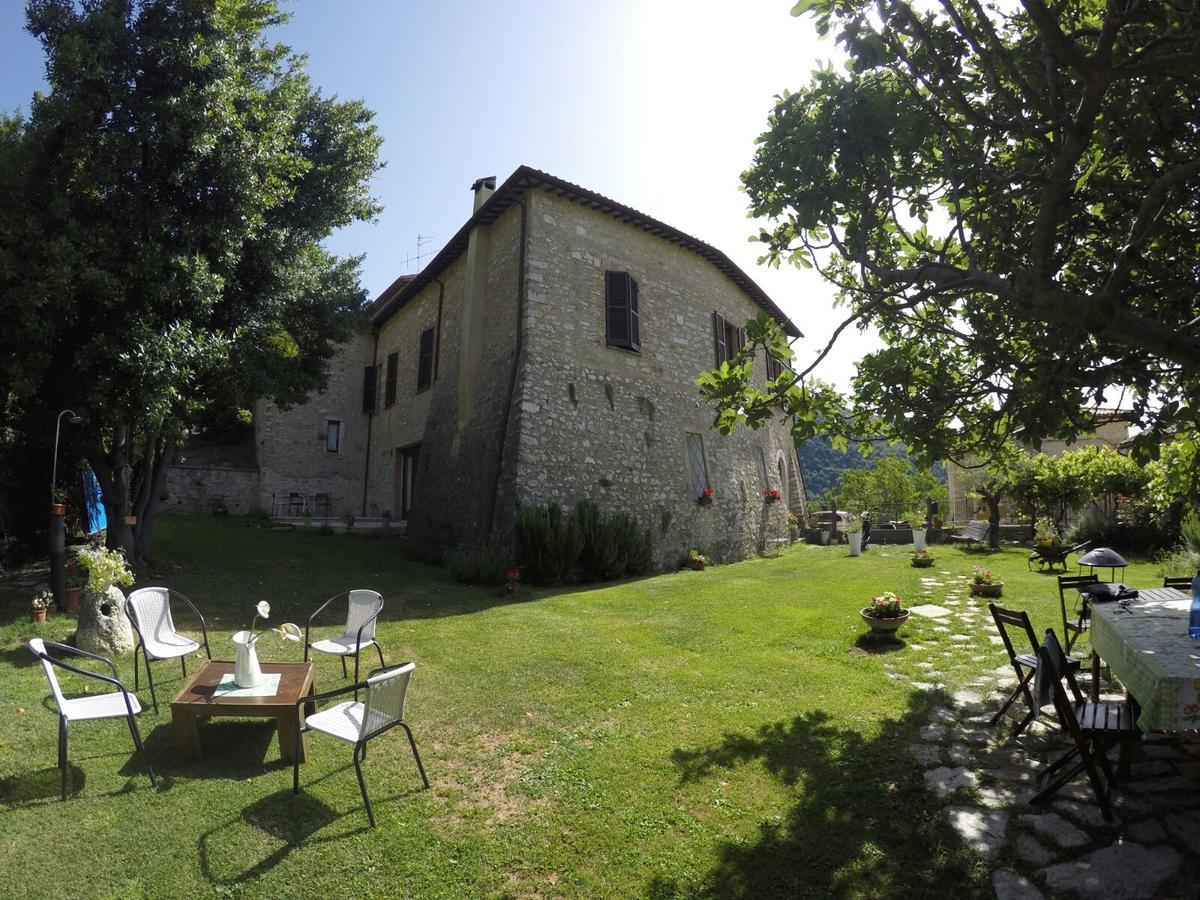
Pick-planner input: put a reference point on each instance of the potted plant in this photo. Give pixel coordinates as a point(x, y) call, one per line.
point(922, 559)
point(793, 526)
point(917, 521)
point(1045, 535)
point(306, 518)
point(40, 606)
point(58, 502)
point(985, 584)
point(885, 614)
point(385, 518)
point(75, 580)
point(854, 527)
point(770, 495)
point(706, 496)
point(696, 560)
point(512, 581)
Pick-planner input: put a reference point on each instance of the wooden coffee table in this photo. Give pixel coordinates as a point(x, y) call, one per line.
point(199, 700)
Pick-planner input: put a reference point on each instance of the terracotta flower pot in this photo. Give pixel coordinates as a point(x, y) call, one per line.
point(37, 616)
point(58, 509)
point(987, 590)
point(72, 597)
point(884, 626)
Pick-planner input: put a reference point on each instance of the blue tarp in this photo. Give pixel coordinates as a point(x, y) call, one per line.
point(93, 509)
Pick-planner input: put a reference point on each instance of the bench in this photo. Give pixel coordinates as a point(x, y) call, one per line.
point(976, 532)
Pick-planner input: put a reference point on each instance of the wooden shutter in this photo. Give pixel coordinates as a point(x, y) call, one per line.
point(741, 340)
point(635, 338)
point(370, 378)
point(616, 308)
point(719, 338)
point(389, 390)
point(425, 360)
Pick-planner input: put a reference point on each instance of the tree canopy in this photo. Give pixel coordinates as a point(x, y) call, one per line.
point(1009, 194)
point(164, 207)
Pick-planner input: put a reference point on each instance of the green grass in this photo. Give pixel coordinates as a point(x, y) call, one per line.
point(717, 733)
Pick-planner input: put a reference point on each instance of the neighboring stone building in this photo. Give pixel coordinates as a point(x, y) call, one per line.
point(1112, 431)
point(547, 353)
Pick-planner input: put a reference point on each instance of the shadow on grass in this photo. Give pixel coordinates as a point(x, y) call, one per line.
point(234, 749)
point(31, 788)
point(276, 825)
point(863, 824)
point(876, 644)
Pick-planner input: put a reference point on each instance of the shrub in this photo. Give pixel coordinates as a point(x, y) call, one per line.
point(613, 546)
point(1189, 531)
point(549, 542)
point(1178, 562)
point(484, 563)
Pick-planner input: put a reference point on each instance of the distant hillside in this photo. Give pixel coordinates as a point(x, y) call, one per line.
point(822, 465)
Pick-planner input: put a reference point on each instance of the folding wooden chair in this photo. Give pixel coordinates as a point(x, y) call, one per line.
point(1024, 664)
point(1094, 728)
point(1072, 584)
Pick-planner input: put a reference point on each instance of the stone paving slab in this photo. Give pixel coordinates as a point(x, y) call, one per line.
point(1122, 871)
point(981, 830)
point(930, 611)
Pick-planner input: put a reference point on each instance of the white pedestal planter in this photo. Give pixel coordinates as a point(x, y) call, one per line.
point(855, 543)
point(918, 539)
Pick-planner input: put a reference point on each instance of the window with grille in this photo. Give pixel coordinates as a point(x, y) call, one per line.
point(728, 339)
point(622, 313)
point(425, 361)
point(389, 390)
point(697, 469)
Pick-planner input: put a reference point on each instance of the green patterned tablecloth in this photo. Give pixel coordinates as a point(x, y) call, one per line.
point(1148, 649)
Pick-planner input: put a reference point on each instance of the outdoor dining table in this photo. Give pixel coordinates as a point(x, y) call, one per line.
point(1147, 648)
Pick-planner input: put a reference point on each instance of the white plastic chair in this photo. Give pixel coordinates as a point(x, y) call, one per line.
point(363, 610)
point(149, 611)
point(356, 723)
point(100, 706)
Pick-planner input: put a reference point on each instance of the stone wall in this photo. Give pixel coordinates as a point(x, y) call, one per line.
point(460, 421)
point(202, 489)
point(611, 425)
point(291, 443)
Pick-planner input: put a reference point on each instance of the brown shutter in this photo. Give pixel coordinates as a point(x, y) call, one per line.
point(741, 339)
point(635, 327)
point(616, 308)
point(389, 390)
point(719, 337)
point(368, 398)
point(425, 360)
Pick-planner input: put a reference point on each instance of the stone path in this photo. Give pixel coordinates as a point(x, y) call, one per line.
point(986, 777)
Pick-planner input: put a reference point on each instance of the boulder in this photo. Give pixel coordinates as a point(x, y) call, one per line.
point(103, 626)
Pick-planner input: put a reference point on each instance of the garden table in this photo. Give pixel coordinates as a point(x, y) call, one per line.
point(210, 692)
point(1146, 646)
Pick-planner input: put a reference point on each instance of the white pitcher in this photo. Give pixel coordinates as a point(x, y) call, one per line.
point(246, 671)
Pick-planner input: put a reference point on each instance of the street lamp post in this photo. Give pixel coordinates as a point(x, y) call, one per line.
point(58, 531)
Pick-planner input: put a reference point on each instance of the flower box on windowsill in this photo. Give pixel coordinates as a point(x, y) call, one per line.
point(705, 498)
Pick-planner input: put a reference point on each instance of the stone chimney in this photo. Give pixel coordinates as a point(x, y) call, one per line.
point(483, 189)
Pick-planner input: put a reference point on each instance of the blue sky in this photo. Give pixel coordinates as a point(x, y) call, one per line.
point(655, 103)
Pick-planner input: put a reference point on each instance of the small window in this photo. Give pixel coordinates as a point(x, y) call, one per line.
point(389, 391)
point(622, 315)
point(425, 361)
point(774, 368)
point(762, 468)
point(370, 378)
point(333, 436)
point(727, 338)
point(697, 469)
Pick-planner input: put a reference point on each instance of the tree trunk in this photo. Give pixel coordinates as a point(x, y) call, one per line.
point(150, 503)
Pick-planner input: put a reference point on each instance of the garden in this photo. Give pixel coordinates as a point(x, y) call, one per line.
point(733, 731)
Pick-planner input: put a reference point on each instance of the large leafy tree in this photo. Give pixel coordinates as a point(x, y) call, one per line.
point(160, 248)
point(1009, 193)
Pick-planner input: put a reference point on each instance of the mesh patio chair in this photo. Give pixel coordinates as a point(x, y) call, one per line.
point(116, 704)
point(363, 610)
point(1094, 728)
point(149, 612)
point(1025, 664)
point(357, 723)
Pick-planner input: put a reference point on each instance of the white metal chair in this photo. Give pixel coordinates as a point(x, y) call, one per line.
point(356, 723)
point(149, 611)
point(363, 610)
point(100, 706)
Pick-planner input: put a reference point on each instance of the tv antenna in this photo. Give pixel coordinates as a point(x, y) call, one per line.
point(413, 263)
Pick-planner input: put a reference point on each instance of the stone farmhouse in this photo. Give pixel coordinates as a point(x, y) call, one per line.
point(546, 354)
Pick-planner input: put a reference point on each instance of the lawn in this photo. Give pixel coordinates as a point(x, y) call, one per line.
point(719, 733)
